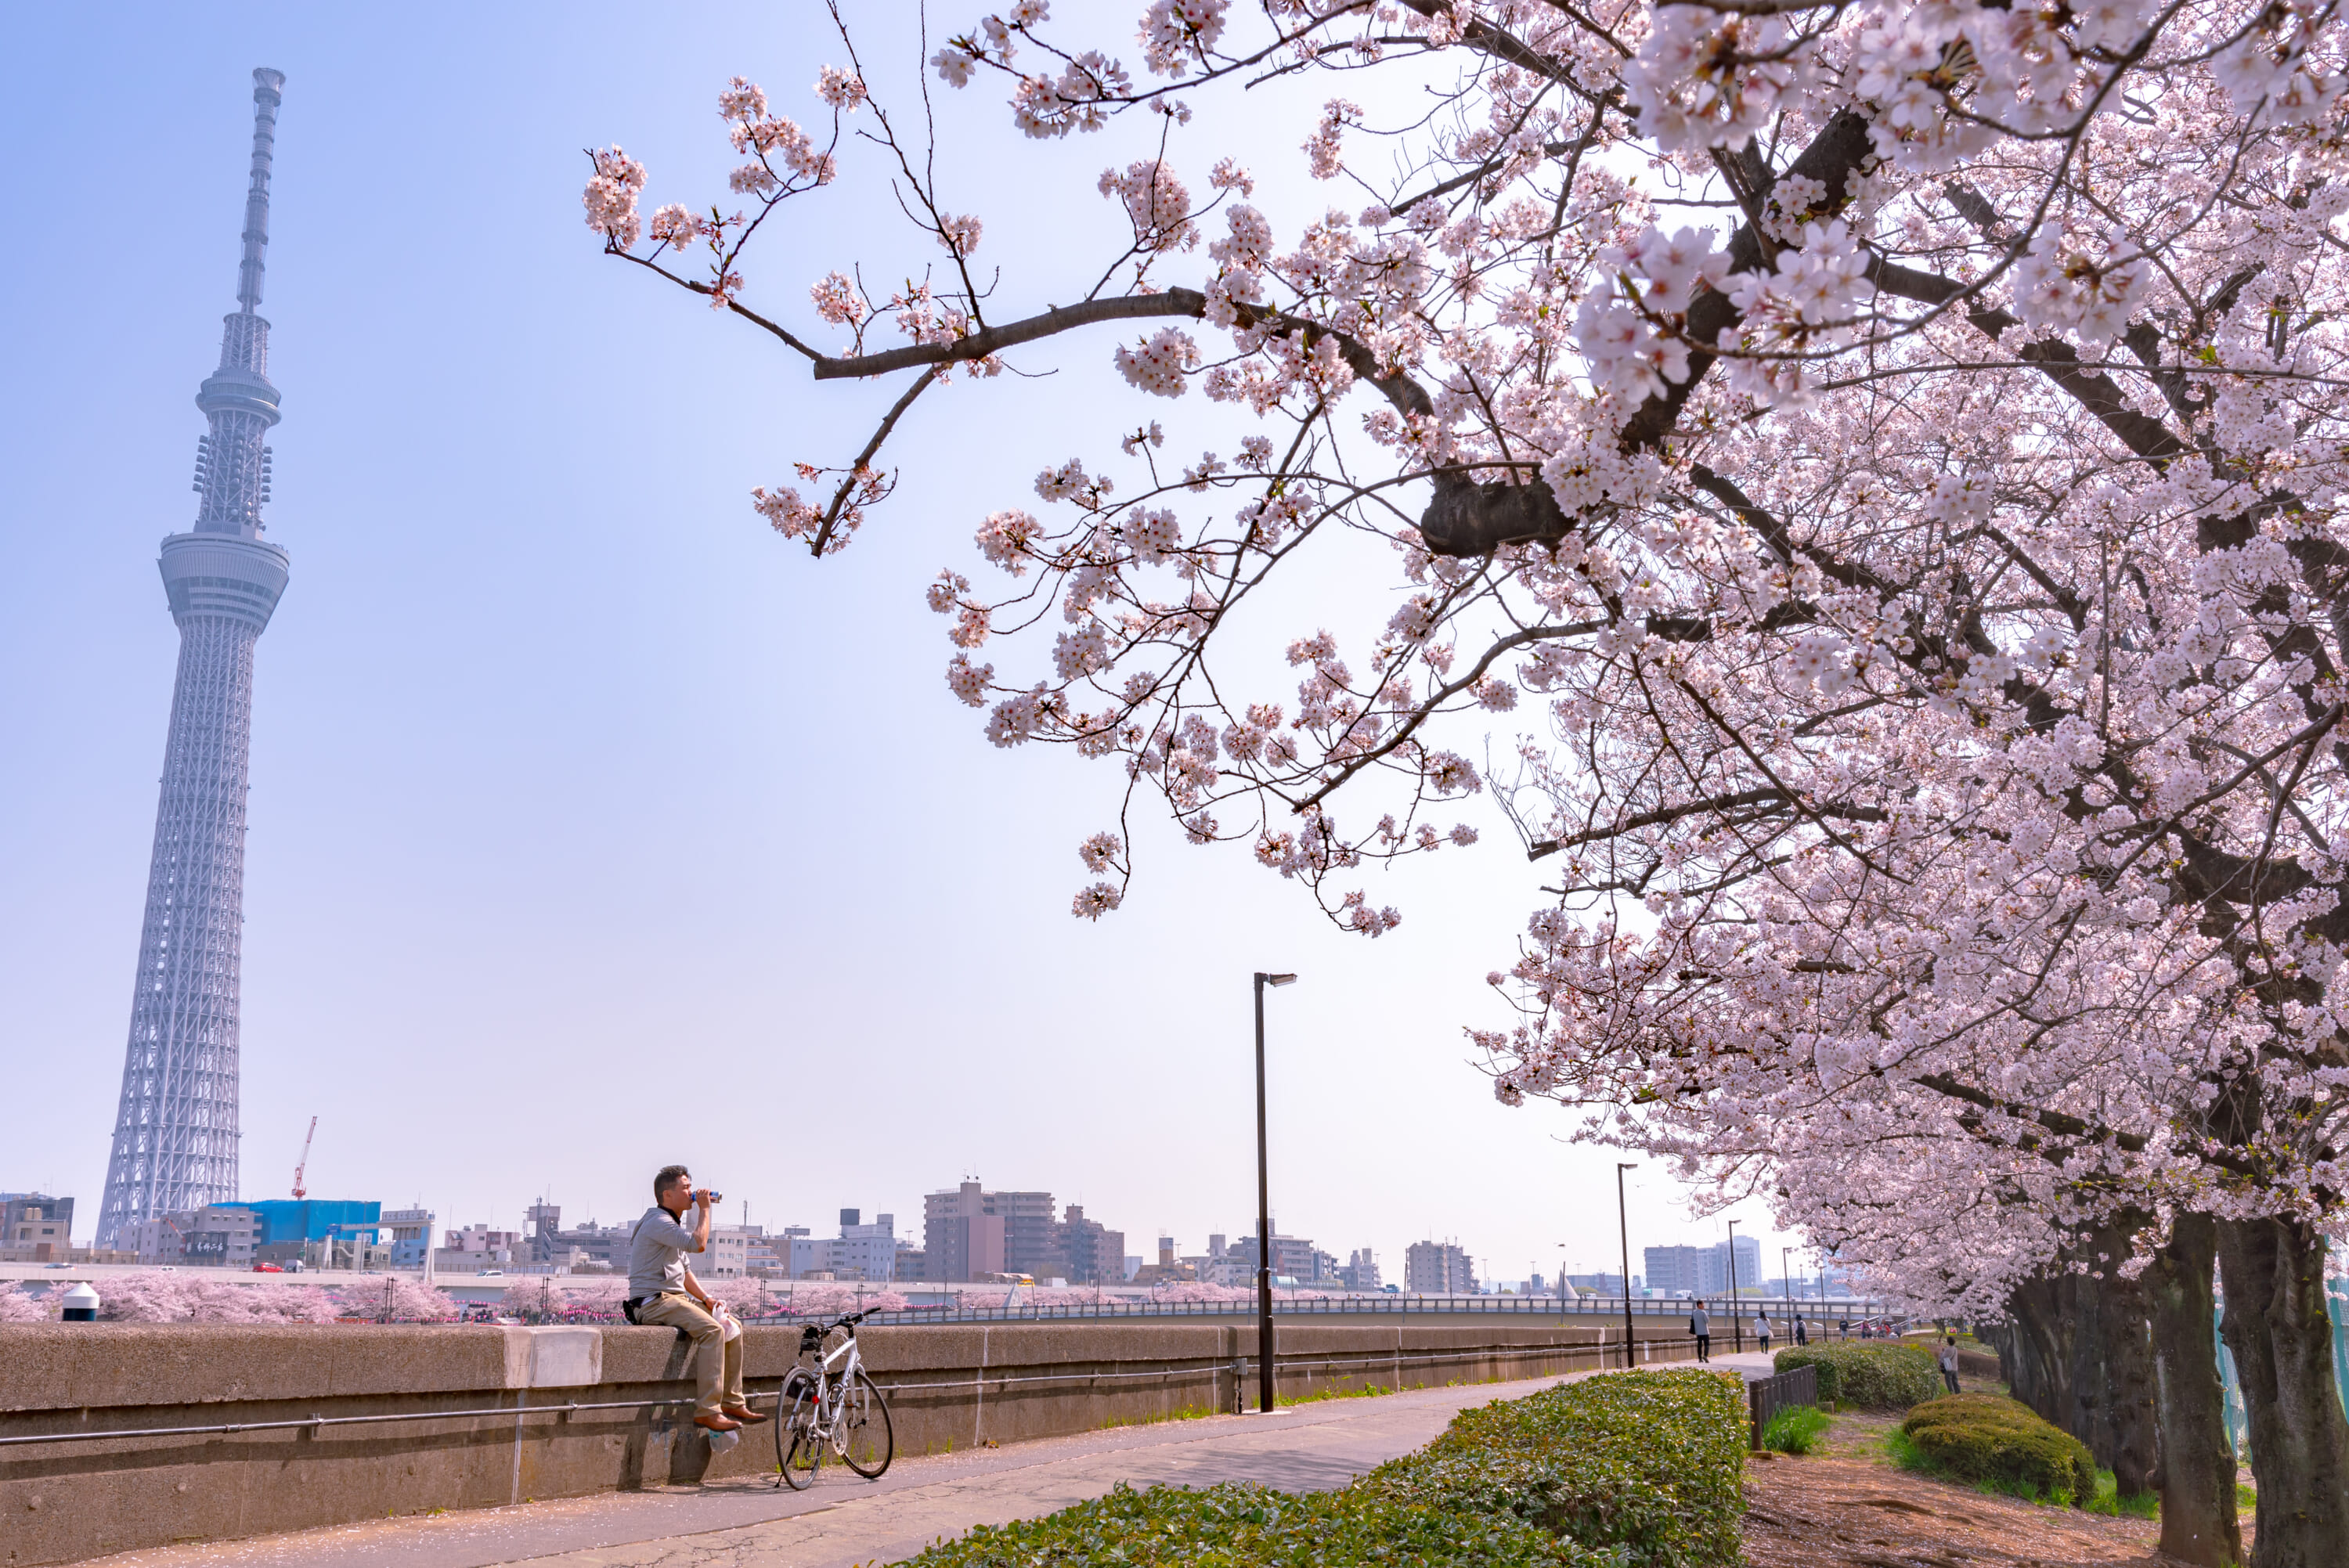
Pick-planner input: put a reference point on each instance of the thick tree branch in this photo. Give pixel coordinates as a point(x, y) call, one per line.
point(1399, 388)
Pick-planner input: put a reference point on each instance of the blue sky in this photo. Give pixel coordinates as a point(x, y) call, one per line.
point(593, 826)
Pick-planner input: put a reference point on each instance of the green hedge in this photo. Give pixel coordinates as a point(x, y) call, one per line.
point(1875, 1376)
point(1238, 1525)
point(1984, 1437)
point(1650, 1463)
point(1630, 1470)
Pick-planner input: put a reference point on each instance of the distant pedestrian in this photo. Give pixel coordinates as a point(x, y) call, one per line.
point(1800, 1336)
point(1762, 1330)
point(1949, 1361)
point(1701, 1326)
point(1843, 1328)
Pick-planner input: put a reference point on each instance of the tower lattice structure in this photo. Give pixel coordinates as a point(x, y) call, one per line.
point(175, 1135)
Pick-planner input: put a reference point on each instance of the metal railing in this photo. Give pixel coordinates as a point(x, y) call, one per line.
point(1781, 1312)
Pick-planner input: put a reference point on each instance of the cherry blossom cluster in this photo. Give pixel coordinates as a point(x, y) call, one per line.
point(1859, 492)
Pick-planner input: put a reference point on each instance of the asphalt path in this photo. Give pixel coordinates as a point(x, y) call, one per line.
point(843, 1521)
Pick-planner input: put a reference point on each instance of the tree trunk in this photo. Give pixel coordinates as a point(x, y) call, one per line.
point(2282, 1342)
point(2039, 1369)
point(2112, 1377)
point(2198, 1463)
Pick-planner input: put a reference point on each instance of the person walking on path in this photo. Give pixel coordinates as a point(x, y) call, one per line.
point(1949, 1361)
point(1762, 1329)
point(1801, 1337)
point(662, 1292)
point(1702, 1326)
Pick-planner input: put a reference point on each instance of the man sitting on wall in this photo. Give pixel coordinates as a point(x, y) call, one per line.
point(663, 1292)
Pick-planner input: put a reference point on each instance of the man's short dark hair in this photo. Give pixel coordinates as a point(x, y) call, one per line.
point(668, 1177)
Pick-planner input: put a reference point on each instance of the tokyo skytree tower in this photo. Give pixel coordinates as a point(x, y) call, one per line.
point(175, 1136)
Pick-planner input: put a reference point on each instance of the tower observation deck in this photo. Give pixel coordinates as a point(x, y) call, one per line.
point(175, 1134)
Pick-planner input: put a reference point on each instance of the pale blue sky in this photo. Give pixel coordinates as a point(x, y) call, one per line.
point(592, 826)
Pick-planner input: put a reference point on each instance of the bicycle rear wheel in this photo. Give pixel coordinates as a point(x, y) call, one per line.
point(864, 1436)
point(797, 1450)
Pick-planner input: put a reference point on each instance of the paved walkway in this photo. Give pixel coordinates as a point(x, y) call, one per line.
point(843, 1521)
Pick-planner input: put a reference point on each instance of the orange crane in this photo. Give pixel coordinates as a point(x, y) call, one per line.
point(303, 1163)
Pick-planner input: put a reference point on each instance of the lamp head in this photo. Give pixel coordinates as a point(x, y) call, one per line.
point(1277, 979)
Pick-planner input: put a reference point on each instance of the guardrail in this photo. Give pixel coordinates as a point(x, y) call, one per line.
point(1769, 1395)
point(1402, 1307)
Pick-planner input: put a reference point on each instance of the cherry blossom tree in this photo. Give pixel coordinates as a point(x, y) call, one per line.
point(1888, 455)
point(189, 1296)
point(18, 1304)
point(396, 1299)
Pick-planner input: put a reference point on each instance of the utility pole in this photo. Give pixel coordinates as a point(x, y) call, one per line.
point(1263, 1212)
point(1736, 1323)
point(1624, 1224)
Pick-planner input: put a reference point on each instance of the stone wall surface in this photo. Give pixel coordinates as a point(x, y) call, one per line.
point(503, 1414)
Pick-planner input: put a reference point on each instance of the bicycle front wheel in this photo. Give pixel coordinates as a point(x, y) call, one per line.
point(862, 1434)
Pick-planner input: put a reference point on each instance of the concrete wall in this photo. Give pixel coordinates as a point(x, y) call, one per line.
point(509, 1422)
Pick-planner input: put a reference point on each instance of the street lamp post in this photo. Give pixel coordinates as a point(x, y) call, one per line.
point(1736, 1323)
point(1263, 1212)
point(1623, 1226)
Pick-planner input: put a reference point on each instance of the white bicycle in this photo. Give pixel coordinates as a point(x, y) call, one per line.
point(832, 1404)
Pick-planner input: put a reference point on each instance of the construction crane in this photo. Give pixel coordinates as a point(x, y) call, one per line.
point(303, 1164)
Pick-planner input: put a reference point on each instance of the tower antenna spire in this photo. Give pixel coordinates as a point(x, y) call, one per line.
point(267, 94)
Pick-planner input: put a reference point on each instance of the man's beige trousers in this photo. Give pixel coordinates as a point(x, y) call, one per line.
point(717, 1361)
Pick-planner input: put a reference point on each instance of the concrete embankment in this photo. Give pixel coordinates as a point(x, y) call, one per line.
point(236, 1431)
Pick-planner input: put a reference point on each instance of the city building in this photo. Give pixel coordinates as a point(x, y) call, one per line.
point(1168, 1270)
point(589, 1249)
point(294, 1222)
point(412, 1232)
point(1220, 1265)
point(864, 1250)
point(477, 1249)
point(962, 1234)
point(175, 1128)
point(1031, 1235)
point(221, 1236)
point(1703, 1271)
point(727, 1255)
point(1295, 1261)
point(1091, 1254)
point(36, 1228)
point(1438, 1268)
point(1361, 1271)
point(1599, 1284)
point(971, 1233)
point(1676, 1271)
point(861, 1251)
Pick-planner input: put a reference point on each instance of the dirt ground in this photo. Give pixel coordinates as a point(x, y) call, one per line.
point(1847, 1505)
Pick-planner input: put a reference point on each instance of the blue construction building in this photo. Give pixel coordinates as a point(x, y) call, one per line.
point(280, 1221)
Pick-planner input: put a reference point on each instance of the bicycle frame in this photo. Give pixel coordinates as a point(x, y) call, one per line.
point(831, 1386)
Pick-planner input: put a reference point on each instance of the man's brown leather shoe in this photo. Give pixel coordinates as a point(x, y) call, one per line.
point(718, 1423)
point(745, 1415)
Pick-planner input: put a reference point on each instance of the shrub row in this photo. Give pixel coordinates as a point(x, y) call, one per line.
point(1632, 1470)
point(1648, 1462)
point(1238, 1525)
point(1877, 1375)
point(2003, 1443)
